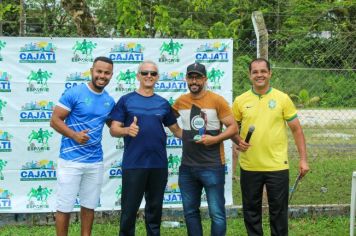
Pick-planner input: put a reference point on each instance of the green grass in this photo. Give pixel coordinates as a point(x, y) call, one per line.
point(328, 182)
point(333, 226)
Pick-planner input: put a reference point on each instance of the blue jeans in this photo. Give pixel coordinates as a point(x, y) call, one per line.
point(191, 182)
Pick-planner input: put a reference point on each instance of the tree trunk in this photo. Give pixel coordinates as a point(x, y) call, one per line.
point(80, 13)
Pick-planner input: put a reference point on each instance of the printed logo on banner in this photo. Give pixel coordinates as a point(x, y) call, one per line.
point(77, 202)
point(126, 81)
point(2, 165)
point(212, 52)
point(203, 196)
point(169, 52)
point(38, 140)
point(5, 144)
point(120, 143)
point(83, 51)
point(2, 106)
point(77, 78)
point(5, 85)
point(171, 101)
point(214, 77)
point(172, 194)
point(118, 195)
point(173, 142)
point(40, 52)
point(115, 170)
point(173, 164)
point(5, 199)
point(2, 45)
point(38, 171)
point(37, 111)
point(38, 197)
point(171, 82)
point(127, 53)
point(37, 81)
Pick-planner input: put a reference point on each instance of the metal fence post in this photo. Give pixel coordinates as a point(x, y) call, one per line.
point(353, 204)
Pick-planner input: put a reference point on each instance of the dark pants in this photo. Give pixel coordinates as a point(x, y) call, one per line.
point(191, 181)
point(137, 183)
point(277, 185)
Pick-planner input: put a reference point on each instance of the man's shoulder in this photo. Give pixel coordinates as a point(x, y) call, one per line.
point(106, 95)
point(76, 90)
point(279, 93)
point(128, 95)
point(183, 97)
point(159, 97)
point(245, 95)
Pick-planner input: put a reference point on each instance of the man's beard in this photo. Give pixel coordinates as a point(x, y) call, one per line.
point(200, 88)
point(97, 86)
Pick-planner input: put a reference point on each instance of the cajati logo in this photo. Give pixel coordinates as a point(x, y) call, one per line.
point(5, 144)
point(38, 52)
point(5, 199)
point(5, 85)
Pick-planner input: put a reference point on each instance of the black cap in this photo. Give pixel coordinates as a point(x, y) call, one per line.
point(196, 68)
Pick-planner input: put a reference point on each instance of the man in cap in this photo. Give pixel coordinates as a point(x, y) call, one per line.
point(202, 114)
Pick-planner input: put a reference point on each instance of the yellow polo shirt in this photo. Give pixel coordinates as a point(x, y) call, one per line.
point(268, 113)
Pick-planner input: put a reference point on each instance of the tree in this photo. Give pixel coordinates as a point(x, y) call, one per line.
point(81, 16)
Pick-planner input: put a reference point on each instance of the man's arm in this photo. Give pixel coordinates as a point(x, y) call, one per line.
point(240, 144)
point(176, 130)
point(299, 139)
point(117, 129)
point(230, 131)
point(57, 122)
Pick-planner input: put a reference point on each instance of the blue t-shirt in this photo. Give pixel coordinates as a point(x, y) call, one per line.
point(148, 148)
point(88, 110)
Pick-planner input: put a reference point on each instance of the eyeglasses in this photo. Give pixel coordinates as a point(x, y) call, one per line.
point(145, 73)
point(195, 77)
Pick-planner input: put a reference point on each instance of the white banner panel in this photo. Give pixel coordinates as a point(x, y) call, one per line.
point(34, 72)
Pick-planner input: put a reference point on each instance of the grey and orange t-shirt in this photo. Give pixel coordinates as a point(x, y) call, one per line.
point(202, 116)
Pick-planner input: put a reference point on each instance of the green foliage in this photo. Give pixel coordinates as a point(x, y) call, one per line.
point(4, 8)
point(320, 52)
point(241, 82)
point(304, 100)
point(131, 18)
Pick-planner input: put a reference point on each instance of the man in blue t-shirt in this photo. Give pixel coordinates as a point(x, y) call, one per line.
point(80, 116)
point(139, 118)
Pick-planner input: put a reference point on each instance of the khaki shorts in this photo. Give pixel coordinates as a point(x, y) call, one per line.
point(75, 178)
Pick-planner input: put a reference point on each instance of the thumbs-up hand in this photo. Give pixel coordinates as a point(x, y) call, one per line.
point(81, 137)
point(133, 128)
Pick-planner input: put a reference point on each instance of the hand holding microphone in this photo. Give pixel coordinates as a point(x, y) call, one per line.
point(249, 133)
point(244, 144)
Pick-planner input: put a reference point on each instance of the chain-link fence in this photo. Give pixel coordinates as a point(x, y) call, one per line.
point(318, 73)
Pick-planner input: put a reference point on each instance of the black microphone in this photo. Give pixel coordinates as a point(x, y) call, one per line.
point(249, 133)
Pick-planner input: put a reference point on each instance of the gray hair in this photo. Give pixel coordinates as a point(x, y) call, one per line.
point(147, 62)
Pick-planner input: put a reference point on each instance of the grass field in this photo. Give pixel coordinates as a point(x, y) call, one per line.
point(320, 226)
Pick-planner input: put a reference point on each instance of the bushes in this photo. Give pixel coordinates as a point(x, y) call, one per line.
point(335, 89)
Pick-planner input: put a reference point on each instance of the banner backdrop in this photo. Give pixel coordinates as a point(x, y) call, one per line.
point(34, 72)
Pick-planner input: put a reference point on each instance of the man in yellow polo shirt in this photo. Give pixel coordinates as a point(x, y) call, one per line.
point(264, 159)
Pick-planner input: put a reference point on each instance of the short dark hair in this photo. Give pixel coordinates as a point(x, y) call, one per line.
point(104, 59)
point(260, 60)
